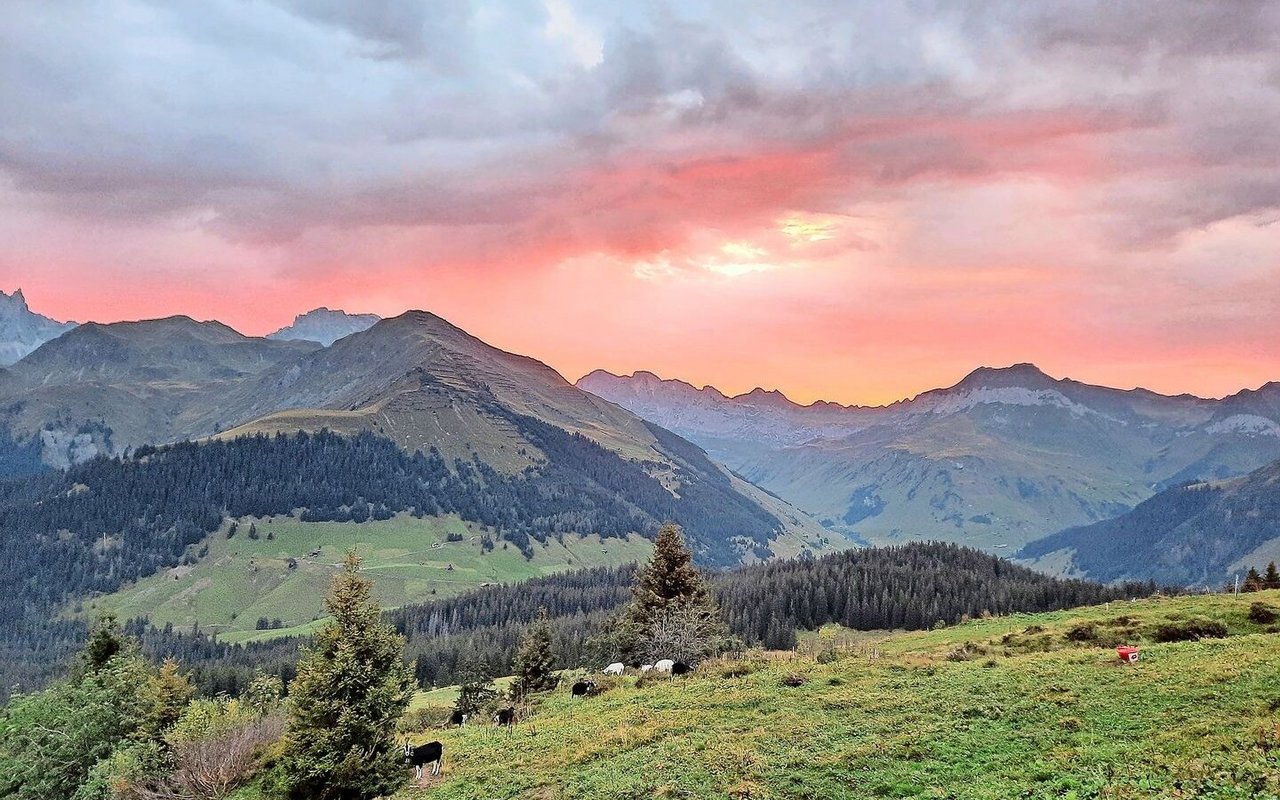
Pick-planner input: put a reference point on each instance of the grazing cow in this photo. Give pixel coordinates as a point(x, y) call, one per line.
point(616, 668)
point(583, 688)
point(430, 753)
point(665, 665)
point(646, 667)
point(458, 719)
point(680, 668)
point(504, 717)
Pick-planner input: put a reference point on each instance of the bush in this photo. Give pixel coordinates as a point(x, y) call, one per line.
point(421, 720)
point(965, 652)
point(1082, 633)
point(1262, 614)
point(1191, 630)
point(794, 679)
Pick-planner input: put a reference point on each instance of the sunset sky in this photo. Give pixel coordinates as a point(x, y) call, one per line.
point(847, 201)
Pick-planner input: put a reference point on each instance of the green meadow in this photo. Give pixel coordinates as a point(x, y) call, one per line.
point(285, 572)
point(1026, 706)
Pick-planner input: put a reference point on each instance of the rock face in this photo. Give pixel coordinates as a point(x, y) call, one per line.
point(325, 326)
point(1005, 456)
point(22, 330)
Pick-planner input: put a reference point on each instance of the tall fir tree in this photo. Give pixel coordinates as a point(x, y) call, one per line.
point(1271, 579)
point(670, 608)
point(1252, 581)
point(534, 662)
point(351, 689)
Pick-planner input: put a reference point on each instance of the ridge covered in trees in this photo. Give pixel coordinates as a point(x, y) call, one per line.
point(68, 535)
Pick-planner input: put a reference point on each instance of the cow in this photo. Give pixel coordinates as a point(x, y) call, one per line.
point(583, 688)
point(646, 667)
point(457, 718)
point(616, 668)
point(665, 665)
point(504, 717)
point(430, 753)
point(680, 668)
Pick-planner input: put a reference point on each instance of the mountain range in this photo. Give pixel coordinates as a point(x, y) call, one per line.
point(1004, 457)
point(414, 379)
point(1001, 460)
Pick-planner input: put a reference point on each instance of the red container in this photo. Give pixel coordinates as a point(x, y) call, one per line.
point(1128, 655)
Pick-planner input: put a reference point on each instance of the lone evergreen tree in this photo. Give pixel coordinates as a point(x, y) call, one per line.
point(534, 662)
point(351, 689)
point(670, 608)
point(1272, 577)
point(1252, 581)
point(475, 679)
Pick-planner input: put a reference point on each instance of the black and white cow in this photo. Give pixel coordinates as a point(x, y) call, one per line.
point(583, 688)
point(458, 719)
point(505, 717)
point(418, 757)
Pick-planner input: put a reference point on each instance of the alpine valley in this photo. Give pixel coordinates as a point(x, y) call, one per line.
point(997, 461)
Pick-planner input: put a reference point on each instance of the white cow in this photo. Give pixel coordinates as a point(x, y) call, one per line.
point(665, 665)
point(646, 667)
point(615, 668)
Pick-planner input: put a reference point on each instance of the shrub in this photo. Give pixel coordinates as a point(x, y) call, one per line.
point(965, 652)
point(794, 679)
point(828, 657)
point(1262, 614)
point(1191, 630)
point(1086, 632)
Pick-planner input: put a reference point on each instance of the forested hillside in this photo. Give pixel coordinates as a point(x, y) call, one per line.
point(1199, 533)
point(910, 587)
point(68, 535)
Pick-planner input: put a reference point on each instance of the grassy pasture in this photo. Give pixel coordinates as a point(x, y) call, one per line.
point(242, 579)
point(1026, 706)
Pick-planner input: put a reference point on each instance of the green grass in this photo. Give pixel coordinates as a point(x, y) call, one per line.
point(1029, 713)
point(409, 560)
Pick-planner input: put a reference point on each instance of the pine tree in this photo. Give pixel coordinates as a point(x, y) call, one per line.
point(671, 613)
point(104, 644)
point(1252, 581)
point(167, 693)
point(351, 689)
point(1272, 577)
point(534, 662)
point(475, 679)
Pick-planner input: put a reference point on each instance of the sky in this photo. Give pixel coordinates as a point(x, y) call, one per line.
point(852, 201)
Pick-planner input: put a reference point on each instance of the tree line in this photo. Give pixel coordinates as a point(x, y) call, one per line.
point(912, 586)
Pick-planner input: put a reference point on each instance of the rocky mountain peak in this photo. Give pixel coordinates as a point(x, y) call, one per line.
point(325, 325)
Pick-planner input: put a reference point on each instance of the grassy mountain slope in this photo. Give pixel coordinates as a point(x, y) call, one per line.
point(1003, 457)
point(285, 572)
point(1196, 533)
point(422, 381)
point(997, 708)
